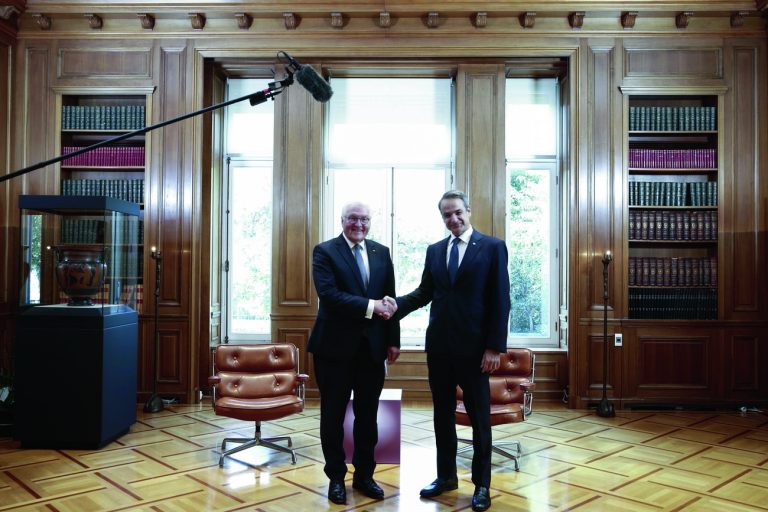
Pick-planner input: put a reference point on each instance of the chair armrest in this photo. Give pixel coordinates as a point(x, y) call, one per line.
point(303, 377)
point(527, 386)
point(214, 379)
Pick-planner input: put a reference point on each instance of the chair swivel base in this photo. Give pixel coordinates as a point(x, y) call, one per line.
point(268, 442)
point(514, 454)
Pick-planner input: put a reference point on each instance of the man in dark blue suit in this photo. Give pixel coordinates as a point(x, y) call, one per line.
point(466, 279)
point(350, 341)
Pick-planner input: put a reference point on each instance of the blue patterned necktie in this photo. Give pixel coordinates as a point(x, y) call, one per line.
point(361, 264)
point(453, 260)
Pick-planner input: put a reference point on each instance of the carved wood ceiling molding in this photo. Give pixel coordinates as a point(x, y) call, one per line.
point(227, 16)
point(400, 6)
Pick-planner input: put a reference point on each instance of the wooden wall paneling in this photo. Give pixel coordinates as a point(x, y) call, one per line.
point(743, 182)
point(169, 192)
point(670, 64)
point(38, 127)
point(409, 373)
point(746, 354)
point(173, 369)
point(115, 61)
point(551, 375)
point(599, 218)
point(210, 221)
point(146, 356)
point(591, 362)
point(678, 364)
point(8, 232)
point(298, 163)
point(296, 217)
point(297, 331)
point(601, 111)
point(480, 168)
point(6, 65)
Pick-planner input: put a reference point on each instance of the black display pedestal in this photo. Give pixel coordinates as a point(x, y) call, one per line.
point(75, 375)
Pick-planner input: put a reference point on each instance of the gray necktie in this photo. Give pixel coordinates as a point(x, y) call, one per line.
point(361, 264)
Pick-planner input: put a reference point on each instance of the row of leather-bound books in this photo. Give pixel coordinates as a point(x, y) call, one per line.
point(645, 158)
point(673, 303)
point(678, 272)
point(127, 189)
point(672, 118)
point(672, 225)
point(102, 117)
point(672, 193)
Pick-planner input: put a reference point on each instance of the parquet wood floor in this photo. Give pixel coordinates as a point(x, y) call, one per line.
point(575, 460)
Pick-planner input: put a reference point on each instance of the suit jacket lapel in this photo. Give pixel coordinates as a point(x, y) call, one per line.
point(373, 262)
point(473, 248)
point(442, 263)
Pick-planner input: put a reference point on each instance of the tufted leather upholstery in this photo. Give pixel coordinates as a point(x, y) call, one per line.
point(511, 387)
point(257, 383)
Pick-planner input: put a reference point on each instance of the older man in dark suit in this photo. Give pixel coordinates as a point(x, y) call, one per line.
point(350, 341)
point(466, 279)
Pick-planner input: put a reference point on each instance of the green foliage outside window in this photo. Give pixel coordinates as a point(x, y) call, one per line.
point(527, 242)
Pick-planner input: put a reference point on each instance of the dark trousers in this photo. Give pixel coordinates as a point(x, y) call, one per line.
point(445, 373)
point(336, 380)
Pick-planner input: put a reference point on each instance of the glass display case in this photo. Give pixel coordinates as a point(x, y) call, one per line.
point(81, 252)
point(81, 266)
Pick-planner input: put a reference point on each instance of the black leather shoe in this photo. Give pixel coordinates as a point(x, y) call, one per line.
point(368, 487)
point(481, 500)
point(439, 486)
point(337, 493)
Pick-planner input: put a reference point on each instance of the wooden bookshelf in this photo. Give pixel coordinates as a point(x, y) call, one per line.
point(672, 211)
point(115, 170)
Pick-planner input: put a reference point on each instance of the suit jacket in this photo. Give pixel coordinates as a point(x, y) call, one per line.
point(472, 314)
point(341, 325)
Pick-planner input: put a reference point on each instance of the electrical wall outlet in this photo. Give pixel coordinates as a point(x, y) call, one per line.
point(617, 340)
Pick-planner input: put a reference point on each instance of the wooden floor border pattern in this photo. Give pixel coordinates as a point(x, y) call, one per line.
point(685, 461)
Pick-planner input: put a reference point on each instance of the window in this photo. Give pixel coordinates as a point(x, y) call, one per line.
point(532, 212)
point(390, 145)
point(247, 269)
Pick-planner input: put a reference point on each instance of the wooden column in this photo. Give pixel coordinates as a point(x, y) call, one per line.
point(480, 169)
point(296, 218)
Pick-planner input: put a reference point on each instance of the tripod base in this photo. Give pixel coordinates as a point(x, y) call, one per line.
point(605, 409)
point(154, 404)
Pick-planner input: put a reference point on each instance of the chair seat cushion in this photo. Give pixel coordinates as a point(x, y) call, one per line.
point(258, 409)
point(500, 414)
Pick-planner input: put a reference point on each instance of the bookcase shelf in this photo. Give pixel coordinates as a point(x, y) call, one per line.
point(635, 241)
point(103, 168)
point(116, 170)
point(645, 170)
point(673, 236)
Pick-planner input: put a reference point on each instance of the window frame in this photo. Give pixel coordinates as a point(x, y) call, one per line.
point(558, 214)
point(330, 221)
point(227, 250)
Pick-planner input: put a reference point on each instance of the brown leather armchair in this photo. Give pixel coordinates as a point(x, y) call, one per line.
point(511, 398)
point(257, 383)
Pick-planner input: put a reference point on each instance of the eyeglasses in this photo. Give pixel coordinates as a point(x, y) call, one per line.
point(364, 221)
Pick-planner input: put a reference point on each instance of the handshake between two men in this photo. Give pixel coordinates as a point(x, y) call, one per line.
point(385, 307)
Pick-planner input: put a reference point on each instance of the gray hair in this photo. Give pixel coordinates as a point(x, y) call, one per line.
point(454, 194)
point(345, 209)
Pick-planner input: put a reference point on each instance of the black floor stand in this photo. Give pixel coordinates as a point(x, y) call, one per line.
point(605, 409)
point(155, 403)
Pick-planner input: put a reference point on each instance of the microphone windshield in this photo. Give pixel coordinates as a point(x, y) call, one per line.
point(314, 83)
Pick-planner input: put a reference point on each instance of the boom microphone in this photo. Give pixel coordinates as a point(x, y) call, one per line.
point(310, 80)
